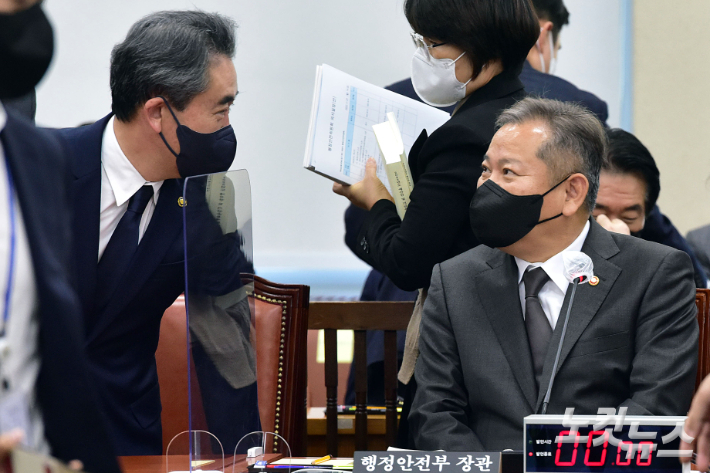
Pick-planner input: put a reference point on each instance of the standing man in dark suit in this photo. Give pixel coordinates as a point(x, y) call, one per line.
point(44, 376)
point(540, 65)
point(172, 85)
point(494, 317)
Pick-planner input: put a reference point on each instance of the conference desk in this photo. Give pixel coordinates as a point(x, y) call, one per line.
point(158, 463)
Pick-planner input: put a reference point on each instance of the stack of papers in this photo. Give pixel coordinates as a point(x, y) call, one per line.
point(340, 134)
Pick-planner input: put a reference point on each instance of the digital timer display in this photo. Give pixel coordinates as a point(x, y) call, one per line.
point(588, 450)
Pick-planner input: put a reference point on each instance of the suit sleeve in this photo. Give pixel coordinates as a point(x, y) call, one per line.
point(659, 228)
point(439, 418)
point(407, 250)
point(666, 353)
point(354, 218)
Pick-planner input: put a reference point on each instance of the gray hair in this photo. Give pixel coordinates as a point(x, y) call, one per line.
point(168, 53)
point(577, 143)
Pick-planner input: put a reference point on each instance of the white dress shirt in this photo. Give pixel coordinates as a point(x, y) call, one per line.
point(119, 181)
point(19, 353)
point(552, 294)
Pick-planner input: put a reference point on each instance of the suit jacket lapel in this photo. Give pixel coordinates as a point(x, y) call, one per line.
point(600, 246)
point(414, 155)
point(164, 228)
point(85, 144)
point(498, 291)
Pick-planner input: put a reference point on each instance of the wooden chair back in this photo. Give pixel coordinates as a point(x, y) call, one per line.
point(281, 350)
point(280, 315)
point(171, 360)
point(702, 301)
point(359, 317)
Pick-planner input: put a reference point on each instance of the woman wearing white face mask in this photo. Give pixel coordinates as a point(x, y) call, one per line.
point(470, 52)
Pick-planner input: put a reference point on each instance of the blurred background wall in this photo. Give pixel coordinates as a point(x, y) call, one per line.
point(672, 103)
point(298, 221)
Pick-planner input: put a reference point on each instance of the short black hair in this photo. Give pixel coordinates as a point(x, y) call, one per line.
point(485, 29)
point(627, 155)
point(554, 11)
point(167, 53)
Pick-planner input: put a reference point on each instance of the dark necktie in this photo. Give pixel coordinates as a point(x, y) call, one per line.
point(121, 247)
point(536, 323)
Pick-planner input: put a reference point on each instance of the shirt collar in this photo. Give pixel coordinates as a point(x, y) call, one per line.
point(125, 179)
point(3, 117)
point(554, 267)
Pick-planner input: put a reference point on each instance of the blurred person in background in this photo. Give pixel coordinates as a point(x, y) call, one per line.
point(628, 190)
point(47, 399)
point(539, 68)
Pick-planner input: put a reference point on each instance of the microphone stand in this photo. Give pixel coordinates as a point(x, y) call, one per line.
point(546, 401)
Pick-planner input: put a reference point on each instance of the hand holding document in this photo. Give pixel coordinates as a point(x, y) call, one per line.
point(399, 175)
point(344, 110)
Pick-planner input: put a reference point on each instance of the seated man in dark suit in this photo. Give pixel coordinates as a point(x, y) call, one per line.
point(629, 185)
point(494, 315)
point(172, 85)
point(47, 397)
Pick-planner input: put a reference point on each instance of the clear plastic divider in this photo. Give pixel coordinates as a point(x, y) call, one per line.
point(223, 401)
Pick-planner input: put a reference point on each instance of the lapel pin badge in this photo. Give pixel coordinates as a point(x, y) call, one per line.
point(594, 281)
point(182, 202)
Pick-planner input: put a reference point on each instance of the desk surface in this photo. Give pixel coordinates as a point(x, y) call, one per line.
point(158, 463)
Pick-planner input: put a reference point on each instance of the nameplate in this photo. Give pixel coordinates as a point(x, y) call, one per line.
point(433, 462)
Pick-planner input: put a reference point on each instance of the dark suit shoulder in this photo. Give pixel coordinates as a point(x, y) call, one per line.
point(552, 87)
point(471, 263)
point(83, 144)
point(467, 134)
point(650, 251)
point(24, 130)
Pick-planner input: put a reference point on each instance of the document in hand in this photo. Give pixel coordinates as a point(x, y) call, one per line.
point(399, 175)
point(340, 135)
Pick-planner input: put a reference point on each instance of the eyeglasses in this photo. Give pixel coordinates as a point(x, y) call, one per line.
point(419, 42)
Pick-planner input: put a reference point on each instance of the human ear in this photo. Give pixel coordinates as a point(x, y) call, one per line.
point(153, 111)
point(576, 190)
point(543, 41)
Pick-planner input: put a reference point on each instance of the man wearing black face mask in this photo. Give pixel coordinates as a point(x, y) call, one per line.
point(47, 397)
point(493, 320)
point(172, 85)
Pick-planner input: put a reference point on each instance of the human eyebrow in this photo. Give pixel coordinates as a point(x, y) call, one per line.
point(504, 161)
point(227, 99)
point(633, 208)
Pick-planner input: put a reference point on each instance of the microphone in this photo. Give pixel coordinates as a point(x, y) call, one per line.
point(578, 269)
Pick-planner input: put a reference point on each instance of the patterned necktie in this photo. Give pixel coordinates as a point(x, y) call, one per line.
point(121, 247)
point(536, 323)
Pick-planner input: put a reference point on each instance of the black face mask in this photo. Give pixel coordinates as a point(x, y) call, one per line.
point(499, 218)
point(202, 153)
point(26, 47)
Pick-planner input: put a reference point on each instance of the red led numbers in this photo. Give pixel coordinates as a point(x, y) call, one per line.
point(621, 453)
point(565, 433)
point(639, 460)
point(590, 438)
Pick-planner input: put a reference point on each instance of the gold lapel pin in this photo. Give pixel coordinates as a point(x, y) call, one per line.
point(594, 281)
point(182, 202)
